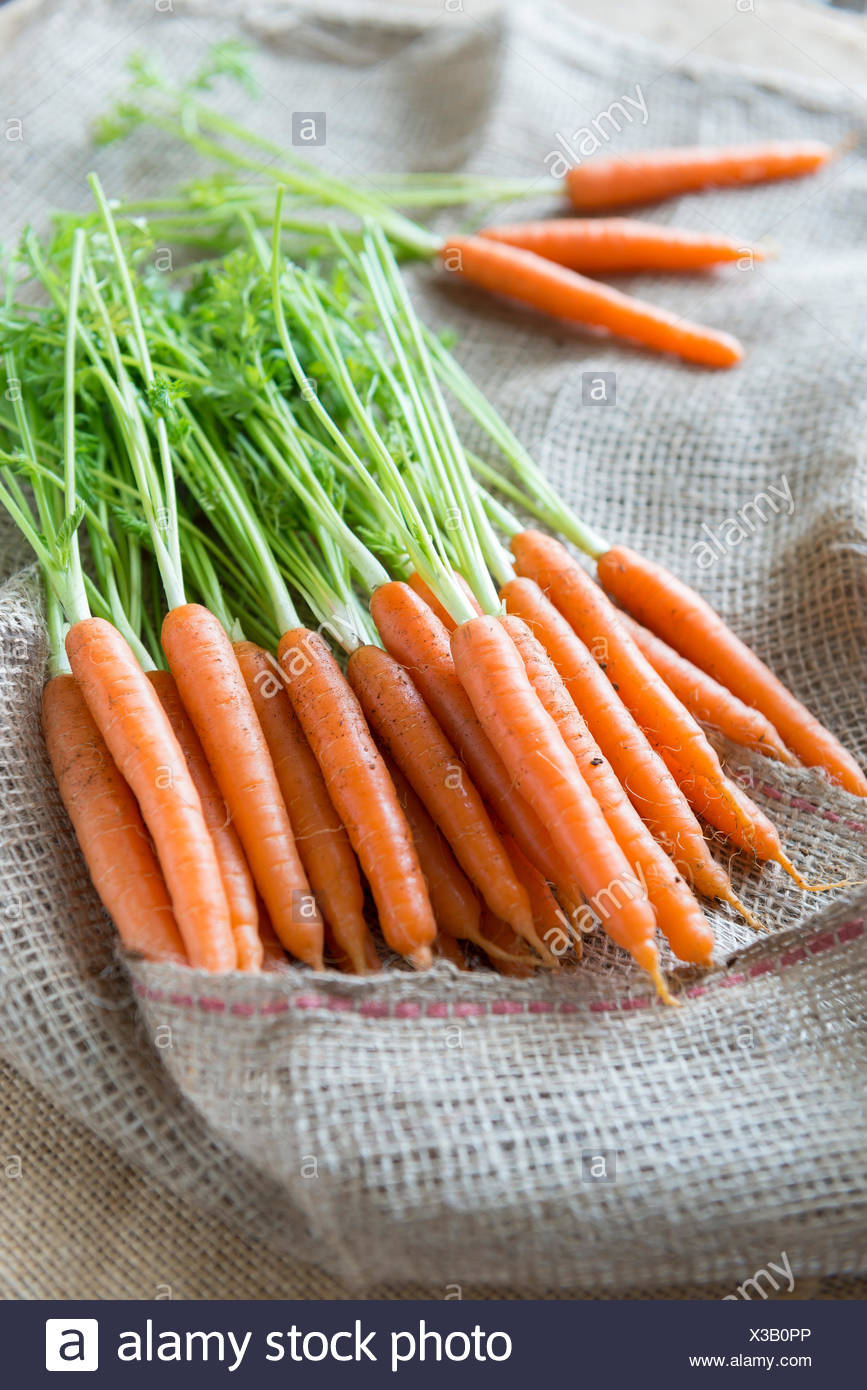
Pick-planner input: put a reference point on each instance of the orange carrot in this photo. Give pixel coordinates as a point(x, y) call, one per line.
point(275, 958)
point(402, 721)
point(595, 619)
point(511, 955)
point(108, 825)
point(210, 683)
point(648, 175)
point(322, 841)
point(552, 925)
point(454, 901)
point(137, 732)
point(665, 721)
point(679, 916)
point(639, 768)
point(683, 618)
point(342, 961)
point(424, 591)
point(492, 673)
point(450, 949)
point(419, 641)
point(361, 791)
point(564, 294)
point(751, 830)
point(237, 881)
point(706, 699)
point(601, 246)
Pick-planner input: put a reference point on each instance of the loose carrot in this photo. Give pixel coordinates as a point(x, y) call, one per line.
point(564, 294)
point(599, 246)
point(419, 641)
point(679, 916)
point(648, 175)
point(136, 729)
point(417, 584)
point(667, 723)
point(321, 839)
point(402, 721)
point(456, 907)
point(361, 790)
point(237, 880)
point(709, 701)
point(505, 948)
point(683, 618)
point(492, 673)
point(210, 683)
point(639, 768)
point(108, 826)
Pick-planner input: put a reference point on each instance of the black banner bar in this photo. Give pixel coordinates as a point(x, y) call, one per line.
point(429, 1344)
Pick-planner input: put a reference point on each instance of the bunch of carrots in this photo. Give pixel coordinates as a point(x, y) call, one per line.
point(318, 681)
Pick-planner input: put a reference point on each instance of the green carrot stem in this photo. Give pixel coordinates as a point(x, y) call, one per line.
point(146, 367)
point(58, 661)
point(536, 493)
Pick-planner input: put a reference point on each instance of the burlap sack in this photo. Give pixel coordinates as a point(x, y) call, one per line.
point(445, 1128)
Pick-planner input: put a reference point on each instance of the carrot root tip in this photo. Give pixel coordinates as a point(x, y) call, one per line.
point(786, 863)
point(662, 989)
point(744, 912)
point(421, 958)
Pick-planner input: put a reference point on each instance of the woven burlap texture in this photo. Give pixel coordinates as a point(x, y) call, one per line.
point(441, 1128)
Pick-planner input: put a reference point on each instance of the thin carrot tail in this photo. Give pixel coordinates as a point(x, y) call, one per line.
point(532, 938)
point(421, 958)
point(490, 949)
point(734, 901)
point(662, 989)
point(786, 863)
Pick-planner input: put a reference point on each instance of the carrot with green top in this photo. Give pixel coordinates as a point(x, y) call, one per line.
point(492, 673)
point(108, 826)
point(361, 791)
point(645, 176)
point(565, 294)
point(679, 916)
point(322, 841)
point(237, 881)
point(640, 770)
point(667, 723)
point(706, 699)
point(415, 636)
point(424, 591)
point(211, 685)
point(455, 903)
point(676, 613)
point(402, 721)
point(603, 246)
